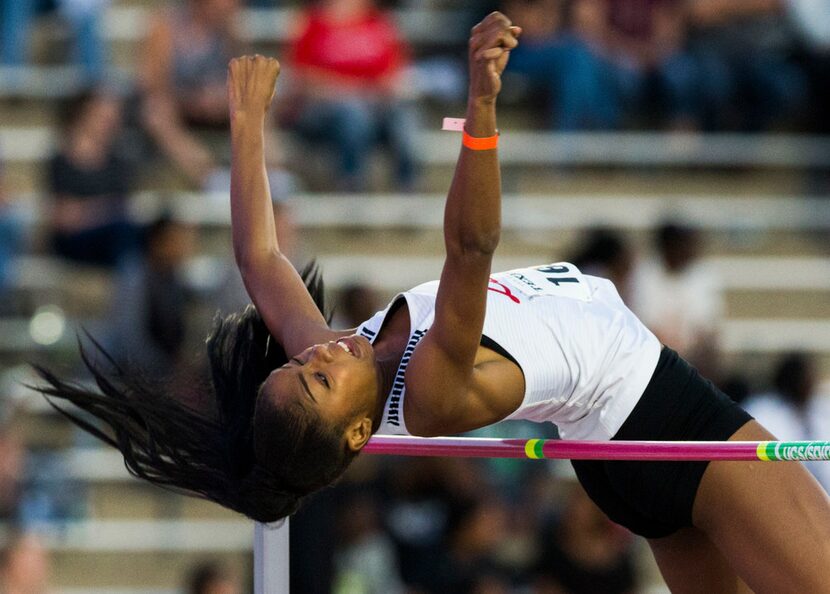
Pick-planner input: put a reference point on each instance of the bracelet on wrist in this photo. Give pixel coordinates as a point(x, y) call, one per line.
point(478, 143)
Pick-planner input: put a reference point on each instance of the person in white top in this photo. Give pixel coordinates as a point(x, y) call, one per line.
point(297, 401)
point(795, 408)
point(678, 297)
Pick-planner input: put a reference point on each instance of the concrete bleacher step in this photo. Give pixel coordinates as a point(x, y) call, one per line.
point(553, 179)
point(42, 430)
point(549, 212)
point(135, 499)
point(782, 305)
point(31, 113)
point(532, 161)
point(109, 572)
point(141, 553)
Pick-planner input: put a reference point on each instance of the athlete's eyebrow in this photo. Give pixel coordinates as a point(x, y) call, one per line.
point(305, 387)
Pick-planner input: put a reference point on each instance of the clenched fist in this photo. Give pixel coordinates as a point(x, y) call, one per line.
point(490, 44)
point(251, 84)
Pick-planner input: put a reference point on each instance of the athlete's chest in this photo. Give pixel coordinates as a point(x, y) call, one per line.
point(396, 334)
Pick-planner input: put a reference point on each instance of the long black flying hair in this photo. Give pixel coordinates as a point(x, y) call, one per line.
point(257, 462)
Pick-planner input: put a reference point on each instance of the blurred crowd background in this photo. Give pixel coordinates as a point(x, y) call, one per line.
point(677, 147)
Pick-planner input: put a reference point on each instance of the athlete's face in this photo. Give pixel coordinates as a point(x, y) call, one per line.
point(338, 380)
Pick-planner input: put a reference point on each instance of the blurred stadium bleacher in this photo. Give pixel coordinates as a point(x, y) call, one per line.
point(755, 198)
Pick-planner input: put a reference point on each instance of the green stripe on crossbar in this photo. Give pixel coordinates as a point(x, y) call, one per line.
point(534, 449)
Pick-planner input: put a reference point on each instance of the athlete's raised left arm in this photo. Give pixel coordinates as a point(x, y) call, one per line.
point(441, 376)
point(270, 279)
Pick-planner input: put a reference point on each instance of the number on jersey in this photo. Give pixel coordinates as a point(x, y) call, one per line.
point(559, 280)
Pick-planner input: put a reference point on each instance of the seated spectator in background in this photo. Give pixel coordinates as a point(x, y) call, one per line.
point(644, 43)
point(793, 410)
point(422, 499)
point(182, 74)
point(347, 64)
point(479, 527)
point(603, 61)
point(678, 298)
point(585, 552)
point(747, 81)
point(213, 578)
point(24, 565)
point(556, 61)
point(605, 253)
point(12, 465)
point(89, 183)
point(357, 303)
point(84, 20)
point(365, 559)
point(812, 23)
point(11, 234)
point(149, 308)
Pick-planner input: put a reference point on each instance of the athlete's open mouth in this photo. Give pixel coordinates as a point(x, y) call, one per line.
point(348, 346)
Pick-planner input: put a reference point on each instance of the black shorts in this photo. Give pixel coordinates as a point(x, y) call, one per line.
point(655, 499)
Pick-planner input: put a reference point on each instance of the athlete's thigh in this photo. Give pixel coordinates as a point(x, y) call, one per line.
point(771, 520)
point(691, 564)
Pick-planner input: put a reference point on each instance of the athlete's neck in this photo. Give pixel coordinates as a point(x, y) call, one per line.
point(389, 347)
point(386, 371)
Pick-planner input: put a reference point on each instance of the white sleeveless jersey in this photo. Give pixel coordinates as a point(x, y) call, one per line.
point(585, 357)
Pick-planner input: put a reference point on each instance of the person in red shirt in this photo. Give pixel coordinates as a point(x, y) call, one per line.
point(349, 62)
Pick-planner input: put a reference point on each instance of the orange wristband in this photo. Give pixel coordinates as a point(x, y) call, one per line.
point(479, 144)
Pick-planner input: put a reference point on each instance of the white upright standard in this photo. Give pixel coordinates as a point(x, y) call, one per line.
point(271, 558)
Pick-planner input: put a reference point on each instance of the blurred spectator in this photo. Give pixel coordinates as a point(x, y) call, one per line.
point(348, 64)
point(644, 41)
point(84, 20)
point(490, 583)
point(793, 410)
point(601, 60)
point(24, 565)
point(478, 529)
point(735, 385)
point(149, 315)
point(811, 19)
point(365, 560)
point(182, 76)
point(585, 552)
point(213, 578)
point(678, 298)
point(11, 234)
point(605, 253)
point(560, 56)
point(742, 47)
point(358, 302)
point(424, 499)
point(12, 465)
point(89, 183)
point(812, 22)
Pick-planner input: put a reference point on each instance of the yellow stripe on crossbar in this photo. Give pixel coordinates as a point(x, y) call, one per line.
point(530, 449)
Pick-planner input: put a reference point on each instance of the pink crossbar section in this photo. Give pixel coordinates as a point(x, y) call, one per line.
point(469, 447)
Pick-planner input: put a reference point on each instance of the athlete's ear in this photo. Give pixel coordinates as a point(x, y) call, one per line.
point(358, 433)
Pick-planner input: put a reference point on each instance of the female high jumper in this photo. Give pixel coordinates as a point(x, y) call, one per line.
point(296, 401)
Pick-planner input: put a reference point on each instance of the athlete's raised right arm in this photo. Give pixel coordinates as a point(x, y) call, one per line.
point(271, 280)
point(442, 385)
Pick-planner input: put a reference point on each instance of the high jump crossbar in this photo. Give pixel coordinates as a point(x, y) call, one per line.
point(271, 542)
